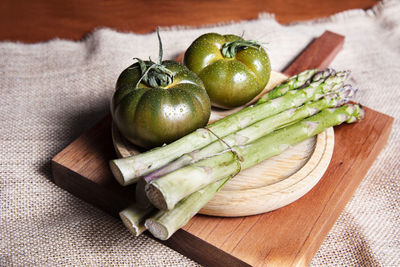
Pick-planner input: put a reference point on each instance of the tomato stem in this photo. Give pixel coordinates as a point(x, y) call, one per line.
point(155, 74)
point(160, 49)
point(229, 49)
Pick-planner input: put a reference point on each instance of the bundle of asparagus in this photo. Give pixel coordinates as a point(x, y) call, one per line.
point(128, 170)
point(180, 178)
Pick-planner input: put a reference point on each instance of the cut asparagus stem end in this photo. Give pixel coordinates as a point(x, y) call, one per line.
point(121, 171)
point(135, 230)
point(133, 218)
point(163, 224)
point(157, 229)
point(156, 197)
point(166, 191)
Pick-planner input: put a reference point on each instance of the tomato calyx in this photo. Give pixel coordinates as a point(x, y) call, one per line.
point(229, 49)
point(153, 74)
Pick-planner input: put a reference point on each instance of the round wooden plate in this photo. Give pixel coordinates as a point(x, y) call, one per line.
point(272, 184)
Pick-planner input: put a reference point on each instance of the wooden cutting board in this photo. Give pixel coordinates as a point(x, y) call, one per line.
point(289, 236)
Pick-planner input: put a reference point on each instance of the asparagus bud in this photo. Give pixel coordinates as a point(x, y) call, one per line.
point(298, 81)
point(294, 82)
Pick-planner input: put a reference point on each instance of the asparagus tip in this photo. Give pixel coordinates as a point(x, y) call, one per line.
point(360, 112)
point(323, 74)
point(345, 94)
point(156, 229)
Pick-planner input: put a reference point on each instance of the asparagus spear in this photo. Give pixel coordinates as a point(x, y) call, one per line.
point(129, 170)
point(298, 81)
point(253, 131)
point(257, 130)
point(164, 223)
point(166, 191)
point(247, 135)
point(134, 217)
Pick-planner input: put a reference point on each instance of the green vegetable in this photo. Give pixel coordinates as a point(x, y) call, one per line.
point(300, 80)
point(128, 170)
point(134, 218)
point(168, 190)
point(256, 130)
point(165, 222)
point(157, 103)
point(233, 70)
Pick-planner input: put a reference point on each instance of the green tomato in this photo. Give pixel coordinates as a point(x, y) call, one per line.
point(151, 115)
point(233, 70)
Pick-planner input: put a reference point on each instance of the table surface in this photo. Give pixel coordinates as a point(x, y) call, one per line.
point(41, 20)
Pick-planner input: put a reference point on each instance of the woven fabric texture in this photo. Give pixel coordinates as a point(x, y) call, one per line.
point(51, 92)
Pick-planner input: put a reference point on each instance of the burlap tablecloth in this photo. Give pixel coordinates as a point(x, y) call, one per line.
point(51, 92)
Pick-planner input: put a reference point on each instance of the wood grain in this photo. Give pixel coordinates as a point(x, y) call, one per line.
point(40, 20)
point(82, 168)
point(319, 54)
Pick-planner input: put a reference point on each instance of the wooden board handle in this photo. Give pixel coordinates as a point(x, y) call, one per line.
point(319, 54)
